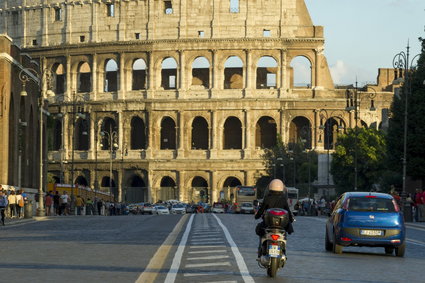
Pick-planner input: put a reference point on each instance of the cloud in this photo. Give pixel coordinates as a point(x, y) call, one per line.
point(345, 74)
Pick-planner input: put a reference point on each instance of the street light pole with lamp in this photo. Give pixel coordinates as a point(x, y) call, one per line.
point(43, 80)
point(112, 138)
point(402, 61)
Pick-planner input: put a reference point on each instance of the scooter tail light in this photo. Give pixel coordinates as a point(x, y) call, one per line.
point(275, 237)
point(346, 239)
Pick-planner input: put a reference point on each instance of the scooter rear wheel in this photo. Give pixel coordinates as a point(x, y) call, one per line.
point(272, 269)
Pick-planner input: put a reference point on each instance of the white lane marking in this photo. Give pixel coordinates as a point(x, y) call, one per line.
point(172, 273)
point(415, 227)
point(206, 236)
point(208, 257)
point(415, 242)
point(207, 251)
point(238, 256)
point(207, 273)
point(207, 264)
point(205, 242)
point(222, 282)
point(206, 247)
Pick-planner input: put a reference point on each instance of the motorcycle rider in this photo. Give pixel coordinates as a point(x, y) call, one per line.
point(277, 197)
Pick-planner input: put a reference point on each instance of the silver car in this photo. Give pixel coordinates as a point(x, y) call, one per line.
point(159, 209)
point(178, 209)
point(247, 207)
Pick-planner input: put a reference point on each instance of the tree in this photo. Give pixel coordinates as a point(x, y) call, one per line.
point(371, 153)
point(282, 162)
point(415, 153)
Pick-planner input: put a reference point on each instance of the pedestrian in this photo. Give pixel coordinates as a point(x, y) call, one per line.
point(19, 204)
point(3, 205)
point(99, 205)
point(48, 202)
point(64, 200)
point(79, 203)
point(56, 205)
point(89, 207)
point(12, 204)
point(420, 205)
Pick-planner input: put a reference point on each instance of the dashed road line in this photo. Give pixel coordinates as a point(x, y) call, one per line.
point(191, 265)
point(238, 256)
point(208, 257)
point(207, 251)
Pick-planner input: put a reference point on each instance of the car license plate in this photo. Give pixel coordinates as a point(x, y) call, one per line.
point(371, 232)
point(274, 250)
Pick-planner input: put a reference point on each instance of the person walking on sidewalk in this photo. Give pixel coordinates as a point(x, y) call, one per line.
point(3, 205)
point(12, 204)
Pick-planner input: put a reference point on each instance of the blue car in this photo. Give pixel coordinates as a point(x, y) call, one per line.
point(366, 219)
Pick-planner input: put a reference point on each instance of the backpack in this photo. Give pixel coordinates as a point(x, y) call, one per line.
point(21, 202)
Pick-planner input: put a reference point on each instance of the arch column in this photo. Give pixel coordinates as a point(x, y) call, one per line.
point(181, 186)
point(95, 76)
point(213, 187)
point(283, 74)
point(214, 73)
point(122, 79)
point(151, 144)
point(317, 131)
point(180, 135)
point(151, 192)
point(213, 136)
point(150, 84)
point(181, 73)
point(69, 76)
point(248, 76)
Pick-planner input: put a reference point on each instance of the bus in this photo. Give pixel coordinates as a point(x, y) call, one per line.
point(292, 199)
point(244, 194)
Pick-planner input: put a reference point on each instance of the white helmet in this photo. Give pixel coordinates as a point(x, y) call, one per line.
point(277, 185)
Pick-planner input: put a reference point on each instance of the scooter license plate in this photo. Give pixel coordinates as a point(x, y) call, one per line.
point(274, 250)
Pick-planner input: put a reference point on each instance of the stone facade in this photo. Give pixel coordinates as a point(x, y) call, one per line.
point(191, 92)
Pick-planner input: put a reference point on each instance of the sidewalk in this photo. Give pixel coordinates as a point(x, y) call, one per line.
point(415, 224)
point(17, 221)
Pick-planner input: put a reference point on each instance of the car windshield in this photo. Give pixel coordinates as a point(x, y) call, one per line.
point(371, 204)
point(218, 205)
point(247, 205)
point(178, 206)
point(160, 207)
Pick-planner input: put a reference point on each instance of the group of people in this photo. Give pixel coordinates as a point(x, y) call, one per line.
point(60, 204)
point(312, 207)
point(12, 203)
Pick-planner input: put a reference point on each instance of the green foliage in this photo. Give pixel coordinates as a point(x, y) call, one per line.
point(415, 154)
point(371, 152)
point(291, 165)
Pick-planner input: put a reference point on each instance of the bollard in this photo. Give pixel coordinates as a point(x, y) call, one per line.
point(28, 209)
point(408, 215)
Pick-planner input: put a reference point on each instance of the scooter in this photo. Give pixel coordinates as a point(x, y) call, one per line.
point(273, 242)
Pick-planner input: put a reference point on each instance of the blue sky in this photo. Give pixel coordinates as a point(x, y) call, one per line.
point(364, 35)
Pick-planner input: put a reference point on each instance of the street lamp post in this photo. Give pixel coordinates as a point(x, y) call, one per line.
point(112, 137)
point(401, 62)
point(43, 80)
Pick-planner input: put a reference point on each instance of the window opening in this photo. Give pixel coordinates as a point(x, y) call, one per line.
point(233, 73)
point(168, 7)
point(139, 75)
point(15, 18)
point(137, 35)
point(84, 78)
point(234, 6)
point(232, 133)
point(266, 72)
point(82, 38)
point(201, 73)
point(34, 42)
point(110, 10)
point(201, 33)
point(58, 14)
point(265, 132)
point(169, 73)
point(111, 76)
point(266, 33)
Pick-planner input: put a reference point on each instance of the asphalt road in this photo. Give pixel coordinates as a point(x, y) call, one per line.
point(199, 248)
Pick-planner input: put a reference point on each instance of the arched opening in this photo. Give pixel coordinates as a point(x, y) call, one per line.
point(233, 73)
point(300, 132)
point(199, 133)
point(81, 181)
point(139, 75)
point(266, 72)
point(232, 137)
point(138, 133)
point(60, 78)
point(55, 134)
point(169, 73)
point(108, 129)
point(262, 184)
point(81, 133)
point(168, 134)
point(331, 130)
point(111, 75)
point(201, 72)
point(265, 132)
point(168, 189)
point(136, 191)
point(108, 186)
point(301, 72)
point(84, 77)
point(363, 124)
point(229, 188)
point(200, 190)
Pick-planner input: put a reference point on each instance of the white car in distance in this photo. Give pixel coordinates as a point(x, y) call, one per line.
point(178, 209)
point(159, 209)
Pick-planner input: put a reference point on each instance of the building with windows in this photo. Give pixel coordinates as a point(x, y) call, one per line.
point(178, 99)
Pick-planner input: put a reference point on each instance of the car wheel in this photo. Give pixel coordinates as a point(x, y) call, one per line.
point(389, 250)
point(336, 248)
point(399, 251)
point(328, 244)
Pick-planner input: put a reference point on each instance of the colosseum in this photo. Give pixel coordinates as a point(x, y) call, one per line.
point(178, 99)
